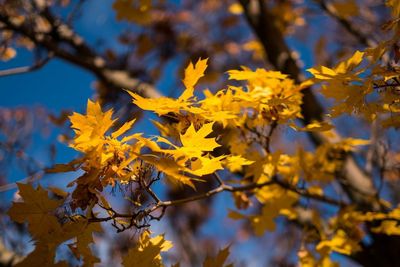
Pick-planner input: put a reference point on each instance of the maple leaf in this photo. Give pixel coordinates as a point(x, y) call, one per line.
point(342, 71)
point(161, 106)
point(194, 142)
point(147, 252)
point(83, 234)
point(351, 63)
point(192, 75)
point(272, 209)
point(43, 255)
point(45, 247)
point(123, 129)
point(235, 163)
point(90, 128)
point(164, 105)
point(37, 209)
point(169, 167)
point(174, 161)
point(205, 165)
point(220, 107)
point(277, 204)
point(322, 73)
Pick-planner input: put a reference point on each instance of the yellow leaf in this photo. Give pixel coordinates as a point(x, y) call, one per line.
point(195, 141)
point(322, 73)
point(204, 165)
point(315, 126)
point(340, 243)
point(351, 63)
point(169, 167)
point(316, 190)
point(125, 127)
point(388, 228)
point(91, 128)
point(395, 6)
point(161, 106)
point(165, 129)
point(192, 75)
point(235, 163)
point(235, 8)
point(256, 48)
point(247, 74)
point(349, 144)
point(147, 252)
point(266, 220)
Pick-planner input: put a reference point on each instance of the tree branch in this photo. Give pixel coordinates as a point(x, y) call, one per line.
point(20, 70)
point(262, 21)
point(67, 45)
point(139, 216)
point(364, 40)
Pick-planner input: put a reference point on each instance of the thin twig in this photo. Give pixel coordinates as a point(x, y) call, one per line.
point(29, 179)
point(272, 128)
point(20, 70)
point(74, 12)
point(141, 215)
point(218, 178)
point(345, 23)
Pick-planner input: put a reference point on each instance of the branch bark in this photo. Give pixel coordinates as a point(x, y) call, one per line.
point(223, 187)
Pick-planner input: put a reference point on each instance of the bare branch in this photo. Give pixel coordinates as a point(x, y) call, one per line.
point(65, 44)
point(20, 70)
point(163, 205)
point(218, 178)
point(29, 179)
point(364, 40)
point(272, 128)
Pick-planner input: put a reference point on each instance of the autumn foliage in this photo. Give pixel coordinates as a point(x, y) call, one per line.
point(224, 142)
